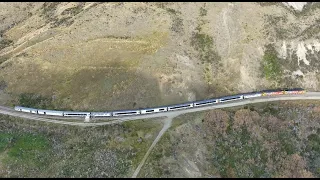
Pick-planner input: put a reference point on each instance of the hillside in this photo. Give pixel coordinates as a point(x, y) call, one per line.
point(107, 56)
point(90, 56)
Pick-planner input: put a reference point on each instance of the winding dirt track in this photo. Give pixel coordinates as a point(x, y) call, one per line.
point(167, 124)
point(12, 112)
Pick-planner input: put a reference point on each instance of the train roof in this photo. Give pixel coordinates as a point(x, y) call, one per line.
point(127, 110)
point(75, 112)
point(25, 108)
point(100, 112)
point(207, 100)
point(154, 108)
point(230, 96)
point(180, 104)
point(49, 110)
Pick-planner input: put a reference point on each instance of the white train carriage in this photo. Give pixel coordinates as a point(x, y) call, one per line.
point(231, 98)
point(25, 109)
point(252, 95)
point(205, 102)
point(75, 114)
point(125, 113)
point(18, 108)
point(101, 114)
point(50, 112)
point(160, 109)
point(154, 110)
point(180, 106)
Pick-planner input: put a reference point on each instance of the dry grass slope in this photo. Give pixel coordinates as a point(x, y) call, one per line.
point(106, 56)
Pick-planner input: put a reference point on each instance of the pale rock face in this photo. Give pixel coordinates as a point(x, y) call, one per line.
point(296, 5)
point(301, 53)
point(309, 46)
point(316, 45)
point(301, 49)
point(297, 73)
point(284, 50)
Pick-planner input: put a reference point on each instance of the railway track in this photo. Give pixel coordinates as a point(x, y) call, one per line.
point(113, 120)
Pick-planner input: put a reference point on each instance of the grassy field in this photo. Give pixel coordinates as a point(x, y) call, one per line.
point(37, 149)
point(106, 78)
point(32, 152)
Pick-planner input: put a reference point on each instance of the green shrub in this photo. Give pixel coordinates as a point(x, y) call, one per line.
point(25, 149)
point(271, 65)
point(203, 43)
point(35, 101)
point(203, 11)
point(5, 43)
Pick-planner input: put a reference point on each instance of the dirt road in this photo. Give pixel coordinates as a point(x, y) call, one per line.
point(167, 124)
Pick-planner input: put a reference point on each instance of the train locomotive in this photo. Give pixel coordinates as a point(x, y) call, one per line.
point(196, 104)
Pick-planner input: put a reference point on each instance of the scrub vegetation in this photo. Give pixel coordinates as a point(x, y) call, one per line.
point(37, 149)
point(35, 101)
point(5, 42)
point(203, 43)
point(241, 142)
point(271, 65)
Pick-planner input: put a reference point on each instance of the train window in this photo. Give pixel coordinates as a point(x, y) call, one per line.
point(75, 114)
point(126, 112)
point(202, 103)
point(179, 106)
point(230, 98)
point(149, 110)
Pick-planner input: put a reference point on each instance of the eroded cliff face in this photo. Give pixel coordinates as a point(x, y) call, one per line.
point(106, 56)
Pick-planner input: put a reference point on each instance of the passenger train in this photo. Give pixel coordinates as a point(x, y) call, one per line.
point(195, 104)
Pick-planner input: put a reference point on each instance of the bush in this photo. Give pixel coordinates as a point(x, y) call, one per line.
point(203, 43)
point(5, 43)
point(3, 85)
point(35, 101)
point(271, 65)
point(203, 11)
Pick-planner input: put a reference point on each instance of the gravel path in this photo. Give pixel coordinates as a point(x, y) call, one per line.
point(166, 126)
